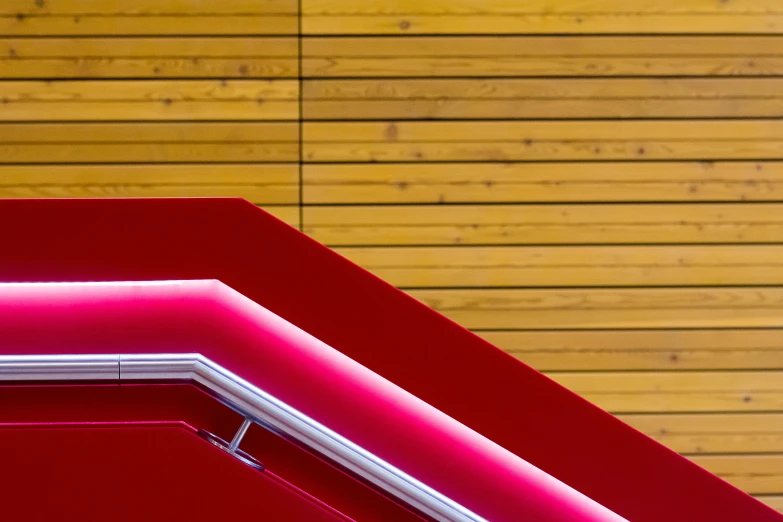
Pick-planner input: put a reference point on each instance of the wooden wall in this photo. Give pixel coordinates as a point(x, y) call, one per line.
point(595, 186)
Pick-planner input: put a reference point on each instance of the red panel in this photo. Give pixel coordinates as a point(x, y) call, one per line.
point(177, 404)
point(380, 327)
point(138, 473)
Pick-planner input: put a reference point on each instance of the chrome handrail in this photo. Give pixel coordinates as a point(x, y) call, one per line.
point(247, 399)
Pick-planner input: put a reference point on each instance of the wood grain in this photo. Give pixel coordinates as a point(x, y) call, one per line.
point(756, 474)
point(153, 25)
point(148, 68)
point(473, 7)
point(566, 266)
point(505, 141)
point(267, 184)
point(538, 65)
point(546, 23)
point(166, 46)
point(530, 108)
point(545, 224)
point(150, 132)
point(148, 90)
point(542, 182)
point(713, 433)
point(148, 152)
point(146, 7)
point(505, 98)
point(545, 150)
point(658, 349)
point(477, 47)
point(522, 131)
point(533, 309)
point(773, 501)
point(678, 391)
point(162, 110)
point(479, 89)
point(148, 142)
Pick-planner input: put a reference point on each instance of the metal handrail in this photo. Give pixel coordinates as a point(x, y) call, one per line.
point(247, 399)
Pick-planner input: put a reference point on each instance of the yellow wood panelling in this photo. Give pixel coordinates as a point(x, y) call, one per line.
point(151, 99)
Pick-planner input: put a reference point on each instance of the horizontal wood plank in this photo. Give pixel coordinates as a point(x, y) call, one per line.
point(713, 433)
point(545, 224)
point(541, 89)
point(501, 266)
point(773, 501)
point(153, 25)
point(530, 108)
point(562, 45)
point(562, 109)
point(546, 23)
point(540, 98)
point(286, 213)
point(147, 132)
point(540, 150)
point(662, 349)
point(755, 474)
point(531, 66)
point(524, 131)
point(474, 7)
point(148, 68)
point(148, 90)
point(535, 309)
point(146, 7)
point(671, 382)
point(246, 47)
point(147, 152)
point(623, 392)
point(258, 194)
point(421, 141)
point(167, 109)
point(542, 182)
point(270, 184)
point(155, 57)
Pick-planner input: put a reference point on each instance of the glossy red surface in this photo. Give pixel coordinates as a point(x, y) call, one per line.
point(57, 406)
point(161, 472)
point(378, 326)
point(209, 318)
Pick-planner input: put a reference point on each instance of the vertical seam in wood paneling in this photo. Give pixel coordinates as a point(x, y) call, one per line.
point(301, 116)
